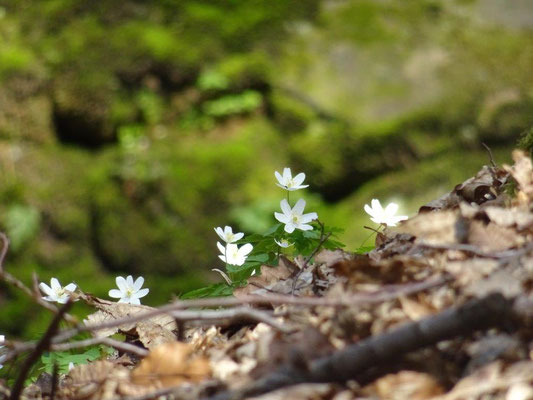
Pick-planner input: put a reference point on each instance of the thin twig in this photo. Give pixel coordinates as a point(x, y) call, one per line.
point(40, 348)
point(232, 314)
point(122, 346)
point(490, 155)
point(379, 296)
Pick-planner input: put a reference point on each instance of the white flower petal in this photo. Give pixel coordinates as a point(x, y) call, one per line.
point(129, 281)
point(279, 178)
point(285, 207)
point(308, 217)
point(223, 258)
point(121, 284)
point(282, 218)
point(369, 210)
point(298, 179)
point(238, 236)
point(221, 248)
point(71, 287)
point(246, 249)
point(376, 206)
point(219, 232)
point(46, 289)
point(117, 294)
point(138, 284)
point(142, 293)
point(287, 175)
point(298, 209)
point(391, 209)
point(289, 228)
point(56, 286)
point(305, 227)
point(135, 301)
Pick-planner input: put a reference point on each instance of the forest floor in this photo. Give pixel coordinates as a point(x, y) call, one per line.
point(442, 308)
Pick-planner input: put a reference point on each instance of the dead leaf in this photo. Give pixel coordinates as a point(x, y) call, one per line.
point(406, 385)
point(151, 332)
point(171, 364)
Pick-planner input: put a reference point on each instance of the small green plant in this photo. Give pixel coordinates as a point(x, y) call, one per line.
point(296, 234)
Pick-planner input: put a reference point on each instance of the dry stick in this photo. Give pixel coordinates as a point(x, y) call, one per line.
point(383, 349)
point(123, 346)
point(246, 313)
point(42, 346)
point(490, 155)
point(349, 301)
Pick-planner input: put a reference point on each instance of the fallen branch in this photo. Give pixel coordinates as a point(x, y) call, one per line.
point(382, 350)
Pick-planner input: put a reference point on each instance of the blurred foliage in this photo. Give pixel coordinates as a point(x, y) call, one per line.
point(127, 133)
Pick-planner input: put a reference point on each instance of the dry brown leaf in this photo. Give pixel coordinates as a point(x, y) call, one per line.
point(433, 228)
point(171, 364)
point(493, 238)
point(151, 332)
point(508, 217)
point(268, 277)
point(406, 385)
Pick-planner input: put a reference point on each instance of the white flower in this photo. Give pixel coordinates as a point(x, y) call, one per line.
point(384, 216)
point(287, 182)
point(294, 218)
point(2, 340)
point(70, 366)
point(232, 254)
point(129, 291)
point(227, 234)
point(55, 292)
point(283, 243)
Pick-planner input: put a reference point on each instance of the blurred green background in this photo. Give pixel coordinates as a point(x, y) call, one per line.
point(128, 130)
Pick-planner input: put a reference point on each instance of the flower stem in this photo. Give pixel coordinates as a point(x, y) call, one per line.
point(374, 231)
point(288, 197)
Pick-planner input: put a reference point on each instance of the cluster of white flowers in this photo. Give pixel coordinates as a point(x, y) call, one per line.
point(293, 218)
point(128, 291)
point(232, 254)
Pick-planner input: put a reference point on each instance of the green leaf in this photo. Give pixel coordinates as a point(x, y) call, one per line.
point(215, 290)
point(262, 258)
point(364, 249)
point(273, 230)
point(64, 358)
